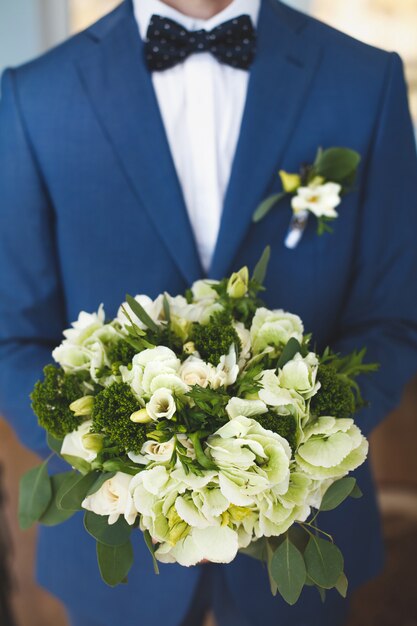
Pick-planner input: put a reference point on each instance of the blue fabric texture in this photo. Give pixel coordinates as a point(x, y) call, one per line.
point(91, 209)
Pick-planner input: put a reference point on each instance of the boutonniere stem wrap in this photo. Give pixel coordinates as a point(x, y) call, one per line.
point(318, 189)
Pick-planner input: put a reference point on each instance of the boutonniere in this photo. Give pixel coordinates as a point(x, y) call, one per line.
point(318, 189)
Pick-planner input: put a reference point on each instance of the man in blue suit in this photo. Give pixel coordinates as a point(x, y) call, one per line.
point(117, 175)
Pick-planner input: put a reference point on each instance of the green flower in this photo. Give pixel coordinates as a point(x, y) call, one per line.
point(274, 328)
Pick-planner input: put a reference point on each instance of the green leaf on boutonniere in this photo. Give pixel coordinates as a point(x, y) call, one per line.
point(34, 495)
point(336, 164)
point(114, 562)
point(54, 515)
point(140, 312)
point(268, 204)
point(289, 571)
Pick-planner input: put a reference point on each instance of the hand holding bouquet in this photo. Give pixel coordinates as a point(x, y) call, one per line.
point(206, 423)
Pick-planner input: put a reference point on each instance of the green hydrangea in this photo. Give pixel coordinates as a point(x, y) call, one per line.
point(335, 397)
point(51, 398)
point(111, 415)
point(213, 340)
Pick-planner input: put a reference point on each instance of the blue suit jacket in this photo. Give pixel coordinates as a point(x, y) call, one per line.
point(91, 208)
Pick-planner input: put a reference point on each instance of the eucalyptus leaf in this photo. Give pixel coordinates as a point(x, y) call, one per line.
point(35, 494)
point(261, 267)
point(78, 463)
point(337, 164)
point(270, 550)
point(149, 544)
point(98, 527)
point(140, 312)
point(356, 492)
point(114, 562)
point(289, 571)
point(337, 493)
point(53, 515)
point(324, 562)
point(74, 491)
point(256, 549)
point(292, 348)
point(266, 205)
point(342, 585)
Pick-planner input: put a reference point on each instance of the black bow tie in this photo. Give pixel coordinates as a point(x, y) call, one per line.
point(168, 43)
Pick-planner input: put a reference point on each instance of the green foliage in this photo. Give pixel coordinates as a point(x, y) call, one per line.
point(288, 571)
point(114, 562)
point(337, 493)
point(121, 352)
point(324, 562)
point(213, 340)
point(209, 409)
point(111, 413)
point(98, 526)
point(349, 367)
point(335, 397)
point(51, 398)
point(284, 425)
point(53, 514)
point(74, 489)
point(248, 382)
point(34, 495)
point(338, 165)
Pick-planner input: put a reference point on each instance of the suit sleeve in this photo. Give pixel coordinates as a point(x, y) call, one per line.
point(31, 301)
point(380, 310)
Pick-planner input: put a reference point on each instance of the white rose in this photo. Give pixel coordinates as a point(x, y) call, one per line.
point(274, 328)
point(73, 443)
point(153, 308)
point(113, 499)
point(195, 371)
point(154, 451)
point(161, 405)
point(321, 200)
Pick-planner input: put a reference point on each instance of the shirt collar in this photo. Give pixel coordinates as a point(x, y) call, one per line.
point(144, 9)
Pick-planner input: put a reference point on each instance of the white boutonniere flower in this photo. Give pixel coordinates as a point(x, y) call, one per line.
point(317, 189)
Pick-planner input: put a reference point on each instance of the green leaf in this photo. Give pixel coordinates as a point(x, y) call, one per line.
point(78, 463)
point(140, 312)
point(324, 562)
point(356, 492)
point(167, 309)
point(74, 491)
point(110, 534)
point(261, 267)
point(322, 594)
point(342, 585)
point(202, 459)
point(54, 444)
point(337, 164)
point(291, 349)
point(35, 494)
point(337, 493)
point(100, 481)
point(266, 205)
point(289, 571)
point(256, 549)
point(114, 562)
point(53, 515)
point(149, 544)
point(270, 551)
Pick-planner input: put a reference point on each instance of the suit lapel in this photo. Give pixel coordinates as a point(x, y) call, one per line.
point(278, 85)
point(120, 89)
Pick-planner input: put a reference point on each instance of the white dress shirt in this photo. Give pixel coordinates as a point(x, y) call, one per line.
point(201, 103)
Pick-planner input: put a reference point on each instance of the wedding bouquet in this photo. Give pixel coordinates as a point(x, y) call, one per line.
point(206, 423)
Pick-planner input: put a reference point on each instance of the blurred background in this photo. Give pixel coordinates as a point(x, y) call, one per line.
point(29, 27)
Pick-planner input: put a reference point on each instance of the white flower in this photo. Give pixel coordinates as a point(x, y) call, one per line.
point(285, 401)
point(195, 371)
point(251, 460)
point(245, 342)
point(152, 369)
point(300, 374)
point(113, 499)
point(154, 451)
point(161, 405)
point(331, 449)
point(274, 328)
point(226, 371)
point(199, 311)
point(321, 200)
point(73, 443)
point(153, 308)
point(248, 408)
point(202, 290)
point(217, 544)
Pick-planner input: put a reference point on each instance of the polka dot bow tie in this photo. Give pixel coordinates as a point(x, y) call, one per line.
point(168, 43)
